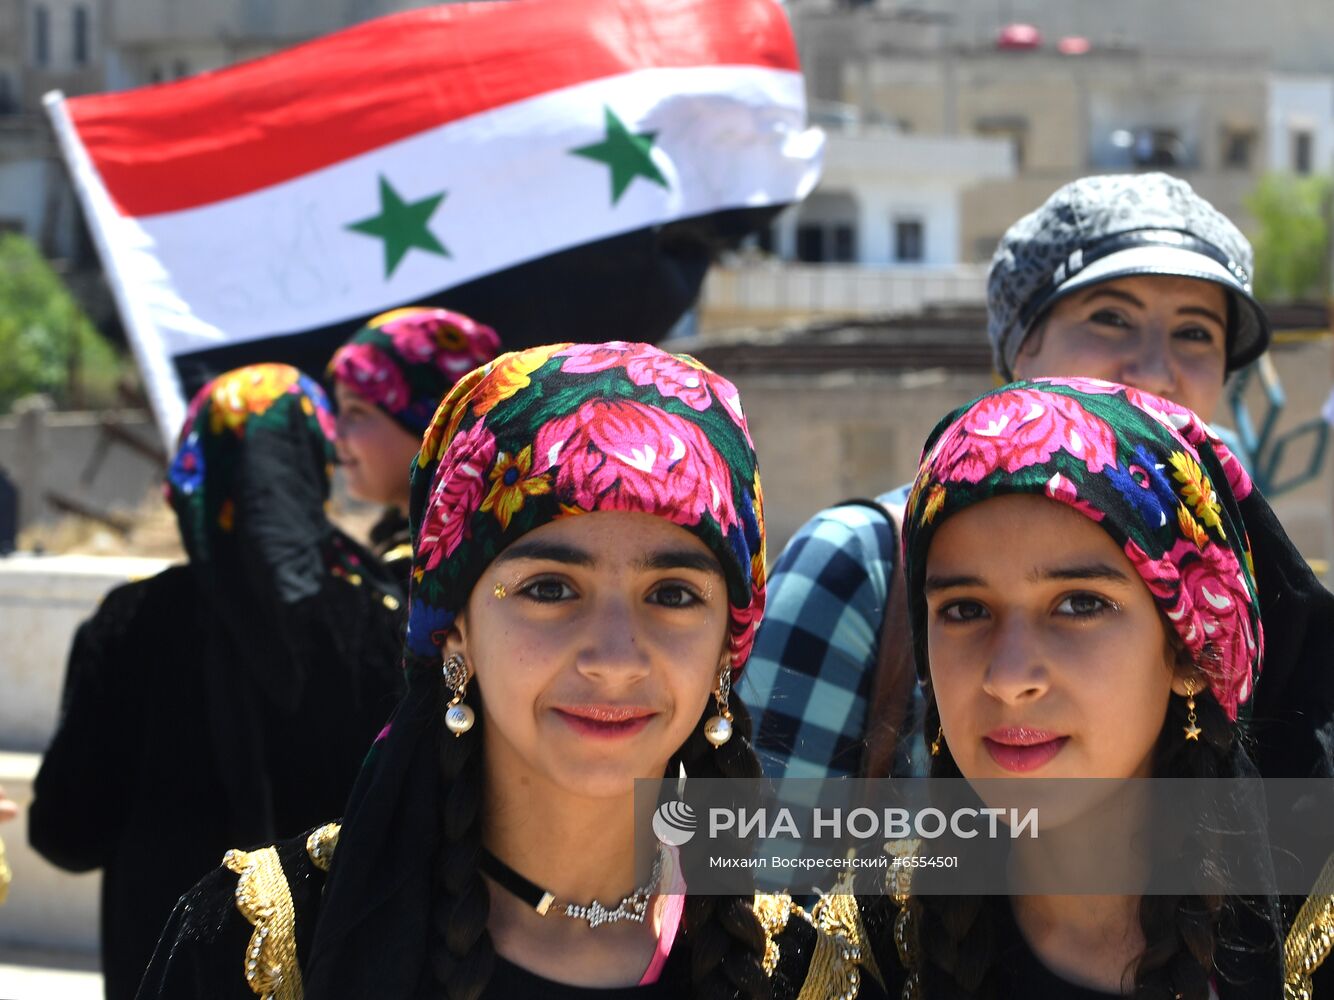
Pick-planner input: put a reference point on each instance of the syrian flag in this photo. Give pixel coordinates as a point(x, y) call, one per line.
point(558, 169)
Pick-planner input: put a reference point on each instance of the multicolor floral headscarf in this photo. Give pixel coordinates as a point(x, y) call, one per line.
point(230, 421)
point(1148, 471)
point(404, 361)
point(571, 429)
point(269, 569)
point(249, 483)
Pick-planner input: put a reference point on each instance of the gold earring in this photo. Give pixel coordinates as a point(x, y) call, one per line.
point(936, 743)
point(1191, 730)
point(718, 730)
point(459, 718)
point(499, 590)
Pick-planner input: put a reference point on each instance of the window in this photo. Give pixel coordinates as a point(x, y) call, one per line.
point(179, 68)
point(1238, 146)
point(41, 35)
point(80, 35)
point(1159, 147)
point(826, 243)
point(845, 244)
point(1302, 142)
point(827, 228)
point(7, 103)
point(810, 244)
point(909, 241)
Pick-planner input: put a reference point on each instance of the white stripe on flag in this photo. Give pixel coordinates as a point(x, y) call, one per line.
point(164, 391)
point(283, 259)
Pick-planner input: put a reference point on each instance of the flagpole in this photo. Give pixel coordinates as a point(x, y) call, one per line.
point(164, 391)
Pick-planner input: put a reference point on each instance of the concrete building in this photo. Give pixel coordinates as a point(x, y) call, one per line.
point(1085, 88)
point(1300, 136)
point(44, 44)
point(1293, 36)
point(1195, 115)
point(887, 197)
point(156, 40)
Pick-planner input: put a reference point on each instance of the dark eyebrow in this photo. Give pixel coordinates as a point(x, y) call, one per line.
point(1088, 571)
point(934, 583)
point(1115, 293)
point(703, 562)
point(1201, 311)
point(567, 554)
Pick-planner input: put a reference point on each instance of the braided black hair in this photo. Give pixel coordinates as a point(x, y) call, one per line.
point(724, 936)
point(464, 957)
point(956, 934)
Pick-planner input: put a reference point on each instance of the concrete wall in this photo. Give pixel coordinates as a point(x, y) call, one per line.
point(848, 434)
point(769, 293)
point(47, 909)
point(68, 446)
point(42, 601)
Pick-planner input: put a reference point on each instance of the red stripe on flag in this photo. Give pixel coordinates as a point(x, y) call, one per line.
point(222, 134)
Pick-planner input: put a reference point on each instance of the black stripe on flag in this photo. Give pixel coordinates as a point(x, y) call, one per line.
point(634, 286)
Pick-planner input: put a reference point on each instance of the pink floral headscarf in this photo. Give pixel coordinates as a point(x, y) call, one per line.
point(1148, 471)
point(571, 429)
point(405, 360)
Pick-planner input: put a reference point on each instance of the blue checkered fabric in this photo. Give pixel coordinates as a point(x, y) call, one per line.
point(809, 678)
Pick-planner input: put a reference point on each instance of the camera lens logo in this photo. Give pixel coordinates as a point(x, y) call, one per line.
point(674, 823)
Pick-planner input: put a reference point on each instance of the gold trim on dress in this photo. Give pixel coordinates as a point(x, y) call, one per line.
point(772, 909)
point(321, 843)
point(403, 551)
point(837, 913)
point(264, 899)
point(898, 882)
point(1310, 938)
point(834, 972)
point(6, 876)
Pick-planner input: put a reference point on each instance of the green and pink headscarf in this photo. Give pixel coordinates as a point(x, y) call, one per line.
point(404, 361)
point(571, 429)
point(536, 435)
point(1147, 471)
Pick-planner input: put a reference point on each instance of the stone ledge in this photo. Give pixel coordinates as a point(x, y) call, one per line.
point(43, 599)
point(47, 908)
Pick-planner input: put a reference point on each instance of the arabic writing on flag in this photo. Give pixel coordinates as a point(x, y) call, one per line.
point(560, 169)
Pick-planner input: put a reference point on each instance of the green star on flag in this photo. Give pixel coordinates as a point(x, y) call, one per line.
point(402, 226)
point(627, 153)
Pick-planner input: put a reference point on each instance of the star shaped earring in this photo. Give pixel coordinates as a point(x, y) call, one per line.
point(1192, 730)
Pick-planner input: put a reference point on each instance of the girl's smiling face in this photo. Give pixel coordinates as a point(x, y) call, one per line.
point(1164, 335)
point(597, 663)
point(1048, 656)
point(374, 452)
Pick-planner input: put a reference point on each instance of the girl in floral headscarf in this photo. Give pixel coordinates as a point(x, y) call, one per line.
point(387, 381)
point(229, 700)
point(587, 578)
point(1082, 595)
